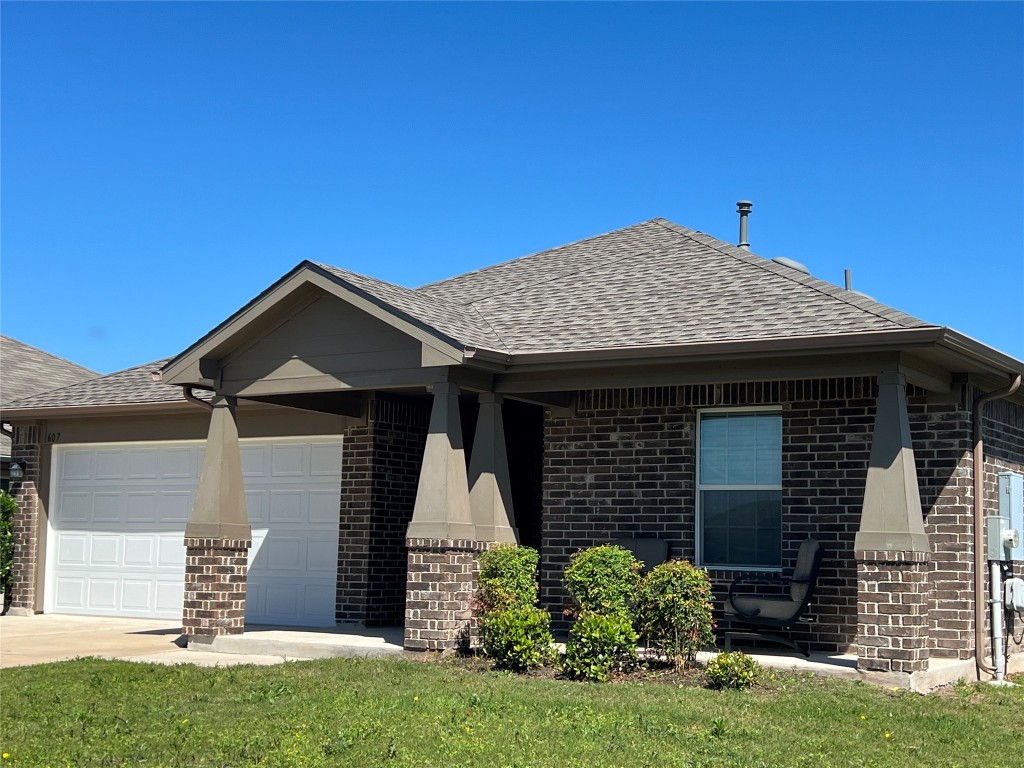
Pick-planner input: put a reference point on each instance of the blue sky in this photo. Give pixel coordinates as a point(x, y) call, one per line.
point(163, 163)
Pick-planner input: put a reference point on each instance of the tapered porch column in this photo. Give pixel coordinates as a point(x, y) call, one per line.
point(218, 536)
point(490, 489)
point(891, 546)
point(441, 538)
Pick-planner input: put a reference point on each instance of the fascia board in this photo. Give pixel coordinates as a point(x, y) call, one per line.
point(115, 409)
point(308, 273)
point(725, 350)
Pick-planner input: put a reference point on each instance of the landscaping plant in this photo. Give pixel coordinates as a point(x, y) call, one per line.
point(603, 580)
point(732, 670)
point(674, 611)
point(599, 644)
point(514, 632)
point(8, 506)
point(517, 638)
point(508, 578)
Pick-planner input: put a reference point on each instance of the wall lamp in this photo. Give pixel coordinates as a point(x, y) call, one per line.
point(18, 469)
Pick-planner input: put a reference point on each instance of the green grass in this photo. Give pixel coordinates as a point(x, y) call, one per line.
point(345, 712)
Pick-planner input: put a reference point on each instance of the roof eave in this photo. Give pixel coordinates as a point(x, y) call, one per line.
point(903, 339)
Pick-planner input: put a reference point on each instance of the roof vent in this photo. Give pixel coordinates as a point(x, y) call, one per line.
point(791, 264)
point(743, 209)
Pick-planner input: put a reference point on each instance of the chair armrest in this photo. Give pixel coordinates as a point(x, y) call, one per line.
point(765, 578)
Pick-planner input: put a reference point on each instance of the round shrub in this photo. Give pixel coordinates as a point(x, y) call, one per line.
point(732, 670)
point(508, 578)
point(8, 506)
point(674, 611)
point(517, 638)
point(599, 644)
point(603, 580)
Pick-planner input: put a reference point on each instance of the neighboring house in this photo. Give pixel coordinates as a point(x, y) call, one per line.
point(25, 371)
point(364, 441)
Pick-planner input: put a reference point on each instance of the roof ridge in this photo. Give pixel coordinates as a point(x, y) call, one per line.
point(436, 283)
point(808, 281)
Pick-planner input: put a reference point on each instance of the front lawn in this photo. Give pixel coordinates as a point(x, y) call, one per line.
point(347, 712)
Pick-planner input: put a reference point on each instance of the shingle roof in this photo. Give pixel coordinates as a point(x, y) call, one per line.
point(460, 323)
point(128, 387)
point(656, 283)
point(26, 370)
point(653, 283)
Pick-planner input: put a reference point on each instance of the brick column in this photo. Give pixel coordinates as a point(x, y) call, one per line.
point(892, 611)
point(442, 577)
point(218, 536)
point(215, 572)
point(25, 523)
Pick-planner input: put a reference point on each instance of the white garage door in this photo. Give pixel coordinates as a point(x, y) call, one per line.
point(117, 523)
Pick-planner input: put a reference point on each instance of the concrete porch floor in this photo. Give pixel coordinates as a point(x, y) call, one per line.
point(307, 642)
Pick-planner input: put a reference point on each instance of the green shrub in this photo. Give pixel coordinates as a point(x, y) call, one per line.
point(508, 578)
point(603, 580)
point(599, 644)
point(674, 611)
point(732, 670)
point(517, 638)
point(8, 506)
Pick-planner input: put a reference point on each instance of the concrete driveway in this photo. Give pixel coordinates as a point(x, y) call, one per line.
point(44, 638)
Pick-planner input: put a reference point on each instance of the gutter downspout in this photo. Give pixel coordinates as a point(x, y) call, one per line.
point(9, 433)
point(187, 394)
point(979, 522)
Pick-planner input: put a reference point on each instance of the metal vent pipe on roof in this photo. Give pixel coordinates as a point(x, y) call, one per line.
point(743, 209)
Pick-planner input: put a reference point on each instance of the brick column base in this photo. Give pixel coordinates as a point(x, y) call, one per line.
point(25, 523)
point(442, 578)
point(215, 571)
point(892, 611)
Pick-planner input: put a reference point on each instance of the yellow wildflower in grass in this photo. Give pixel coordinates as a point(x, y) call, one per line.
point(7, 755)
point(863, 717)
point(415, 698)
point(888, 735)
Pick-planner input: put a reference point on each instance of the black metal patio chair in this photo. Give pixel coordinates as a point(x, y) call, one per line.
point(780, 610)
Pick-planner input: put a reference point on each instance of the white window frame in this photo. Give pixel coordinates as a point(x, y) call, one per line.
point(698, 487)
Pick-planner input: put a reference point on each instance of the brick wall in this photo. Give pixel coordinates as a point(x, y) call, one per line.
point(380, 473)
point(624, 465)
point(25, 523)
point(1003, 432)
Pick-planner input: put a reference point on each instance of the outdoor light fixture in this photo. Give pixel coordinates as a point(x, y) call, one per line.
point(18, 470)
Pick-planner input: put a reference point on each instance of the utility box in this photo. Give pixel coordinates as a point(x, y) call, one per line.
point(1011, 507)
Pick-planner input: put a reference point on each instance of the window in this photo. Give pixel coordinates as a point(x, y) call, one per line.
point(739, 488)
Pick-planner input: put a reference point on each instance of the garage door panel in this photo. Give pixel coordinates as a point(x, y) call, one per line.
point(118, 528)
point(256, 506)
point(139, 551)
point(285, 553)
point(171, 552)
point(142, 464)
point(111, 465)
point(323, 506)
point(289, 460)
point(77, 465)
point(137, 595)
point(108, 507)
point(102, 594)
point(255, 461)
point(174, 506)
point(75, 507)
point(286, 506)
point(177, 464)
point(105, 550)
point(72, 549)
point(170, 596)
point(325, 460)
point(70, 593)
point(322, 556)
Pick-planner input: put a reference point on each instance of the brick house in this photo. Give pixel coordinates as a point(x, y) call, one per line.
point(340, 448)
